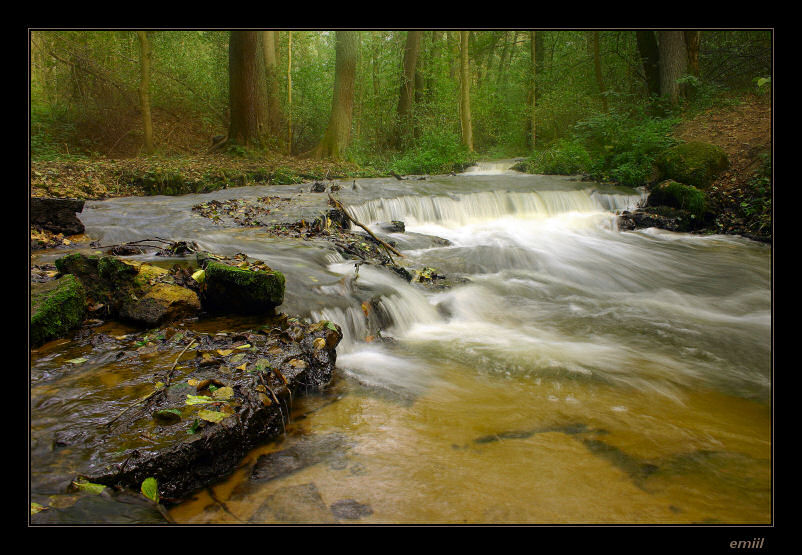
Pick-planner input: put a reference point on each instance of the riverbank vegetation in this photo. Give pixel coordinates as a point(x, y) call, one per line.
point(168, 112)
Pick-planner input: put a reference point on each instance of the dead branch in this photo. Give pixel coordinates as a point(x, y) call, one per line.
point(336, 203)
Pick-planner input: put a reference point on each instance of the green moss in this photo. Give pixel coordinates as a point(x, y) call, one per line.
point(56, 307)
point(236, 290)
point(677, 195)
point(693, 163)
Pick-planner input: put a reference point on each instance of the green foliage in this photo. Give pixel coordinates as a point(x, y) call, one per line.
point(434, 153)
point(564, 157)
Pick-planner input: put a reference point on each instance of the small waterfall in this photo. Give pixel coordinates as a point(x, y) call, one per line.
point(395, 310)
point(498, 167)
point(460, 210)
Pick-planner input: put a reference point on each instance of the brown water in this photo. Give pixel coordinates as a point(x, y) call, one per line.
point(581, 375)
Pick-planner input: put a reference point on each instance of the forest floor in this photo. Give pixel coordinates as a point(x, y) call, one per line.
point(741, 196)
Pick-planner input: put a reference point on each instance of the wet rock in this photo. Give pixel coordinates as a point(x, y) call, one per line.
point(57, 215)
point(140, 293)
point(244, 401)
point(393, 227)
point(318, 188)
point(350, 509)
point(163, 303)
point(662, 217)
point(298, 504)
point(107, 508)
point(57, 307)
point(241, 290)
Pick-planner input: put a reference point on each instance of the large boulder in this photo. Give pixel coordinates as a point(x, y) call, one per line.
point(164, 302)
point(693, 163)
point(57, 306)
point(250, 289)
point(57, 214)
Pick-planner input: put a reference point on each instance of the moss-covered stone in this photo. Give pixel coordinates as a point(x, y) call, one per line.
point(693, 163)
point(140, 293)
point(676, 195)
point(56, 307)
point(242, 291)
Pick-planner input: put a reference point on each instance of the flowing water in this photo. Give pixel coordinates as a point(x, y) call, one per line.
point(572, 374)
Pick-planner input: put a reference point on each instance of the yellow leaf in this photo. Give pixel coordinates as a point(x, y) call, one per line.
point(225, 352)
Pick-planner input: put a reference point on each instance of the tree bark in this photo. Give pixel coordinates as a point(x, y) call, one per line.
point(407, 90)
point(649, 54)
point(247, 89)
point(274, 117)
point(338, 132)
point(144, 90)
point(533, 50)
point(693, 40)
point(673, 63)
point(598, 70)
point(465, 92)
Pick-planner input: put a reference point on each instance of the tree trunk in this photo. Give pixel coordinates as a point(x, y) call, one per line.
point(693, 40)
point(673, 63)
point(335, 140)
point(144, 90)
point(598, 70)
point(434, 59)
point(289, 92)
point(407, 90)
point(273, 102)
point(465, 92)
point(649, 54)
point(533, 49)
point(247, 89)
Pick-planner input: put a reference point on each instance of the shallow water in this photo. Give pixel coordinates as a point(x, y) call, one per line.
point(574, 374)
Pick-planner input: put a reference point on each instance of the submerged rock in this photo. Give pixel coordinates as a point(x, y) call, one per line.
point(393, 227)
point(57, 306)
point(662, 217)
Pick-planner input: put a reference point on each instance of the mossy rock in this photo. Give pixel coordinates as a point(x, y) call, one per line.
point(132, 291)
point(56, 307)
point(693, 163)
point(242, 291)
point(676, 195)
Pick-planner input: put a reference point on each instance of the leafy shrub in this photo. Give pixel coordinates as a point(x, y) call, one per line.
point(436, 152)
point(563, 157)
point(680, 196)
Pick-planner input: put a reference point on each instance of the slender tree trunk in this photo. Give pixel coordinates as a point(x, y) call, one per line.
point(598, 70)
point(289, 92)
point(337, 134)
point(673, 63)
point(453, 45)
point(144, 90)
point(407, 90)
point(437, 39)
point(273, 102)
point(533, 49)
point(693, 40)
point(247, 89)
point(650, 57)
point(465, 92)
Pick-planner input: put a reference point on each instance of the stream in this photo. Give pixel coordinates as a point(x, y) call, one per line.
point(572, 373)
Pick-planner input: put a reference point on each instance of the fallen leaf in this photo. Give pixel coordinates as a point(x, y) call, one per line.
point(212, 416)
point(150, 489)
